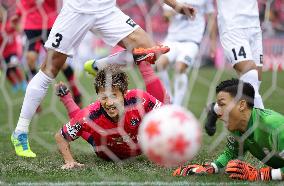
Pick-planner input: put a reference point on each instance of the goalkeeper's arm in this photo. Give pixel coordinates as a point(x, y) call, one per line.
point(208, 168)
point(231, 152)
point(66, 98)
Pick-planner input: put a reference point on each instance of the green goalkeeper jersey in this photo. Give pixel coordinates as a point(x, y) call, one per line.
point(264, 139)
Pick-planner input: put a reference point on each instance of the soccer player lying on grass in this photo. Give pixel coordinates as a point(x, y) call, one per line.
point(258, 131)
point(111, 123)
point(105, 20)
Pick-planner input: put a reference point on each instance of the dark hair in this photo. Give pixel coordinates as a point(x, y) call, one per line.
point(238, 89)
point(113, 77)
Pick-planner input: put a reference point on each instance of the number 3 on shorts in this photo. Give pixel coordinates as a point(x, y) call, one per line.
point(57, 40)
point(240, 53)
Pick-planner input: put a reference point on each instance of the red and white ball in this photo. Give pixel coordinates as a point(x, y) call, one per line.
point(170, 136)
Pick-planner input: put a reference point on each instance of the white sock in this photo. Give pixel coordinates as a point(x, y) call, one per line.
point(181, 81)
point(166, 80)
point(252, 78)
point(35, 92)
point(258, 103)
point(121, 58)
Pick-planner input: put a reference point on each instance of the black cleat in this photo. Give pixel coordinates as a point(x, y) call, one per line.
point(211, 119)
point(61, 90)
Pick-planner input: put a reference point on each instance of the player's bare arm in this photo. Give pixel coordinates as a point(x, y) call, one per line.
point(168, 14)
point(212, 25)
point(182, 8)
point(64, 148)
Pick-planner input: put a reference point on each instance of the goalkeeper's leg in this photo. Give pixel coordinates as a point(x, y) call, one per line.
point(162, 68)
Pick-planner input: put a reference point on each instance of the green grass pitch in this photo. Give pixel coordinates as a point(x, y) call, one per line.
point(45, 169)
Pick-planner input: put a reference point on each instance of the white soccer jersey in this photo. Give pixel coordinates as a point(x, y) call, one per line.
point(89, 6)
point(237, 14)
point(183, 29)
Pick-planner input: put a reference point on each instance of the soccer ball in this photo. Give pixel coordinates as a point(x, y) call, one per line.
point(170, 136)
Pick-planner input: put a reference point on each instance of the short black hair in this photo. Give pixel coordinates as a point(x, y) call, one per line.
point(111, 76)
point(238, 88)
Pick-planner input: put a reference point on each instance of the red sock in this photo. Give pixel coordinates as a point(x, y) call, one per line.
point(19, 74)
point(69, 74)
point(154, 86)
point(73, 86)
point(71, 107)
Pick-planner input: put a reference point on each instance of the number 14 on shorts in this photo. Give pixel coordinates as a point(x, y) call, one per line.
point(240, 53)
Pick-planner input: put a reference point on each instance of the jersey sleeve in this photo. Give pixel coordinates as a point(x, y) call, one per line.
point(150, 102)
point(230, 152)
point(75, 127)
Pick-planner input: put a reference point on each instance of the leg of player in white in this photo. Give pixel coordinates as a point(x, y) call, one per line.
point(163, 64)
point(243, 47)
point(180, 83)
point(65, 37)
point(182, 54)
point(187, 53)
point(241, 38)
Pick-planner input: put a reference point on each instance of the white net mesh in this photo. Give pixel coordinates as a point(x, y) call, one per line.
point(205, 74)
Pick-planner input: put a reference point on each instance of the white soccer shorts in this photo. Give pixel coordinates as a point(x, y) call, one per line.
point(70, 28)
point(184, 52)
point(243, 44)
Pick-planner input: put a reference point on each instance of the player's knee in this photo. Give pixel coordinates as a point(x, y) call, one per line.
point(53, 64)
point(139, 38)
point(180, 68)
point(245, 66)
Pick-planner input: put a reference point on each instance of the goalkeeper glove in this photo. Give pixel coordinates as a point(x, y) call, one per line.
point(196, 169)
point(243, 171)
point(61, 89)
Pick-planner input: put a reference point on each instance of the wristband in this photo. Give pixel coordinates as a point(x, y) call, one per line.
point(276, 174)
point(215, 167)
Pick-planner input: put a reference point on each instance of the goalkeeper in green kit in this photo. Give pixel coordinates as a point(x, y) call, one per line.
point(258, 131)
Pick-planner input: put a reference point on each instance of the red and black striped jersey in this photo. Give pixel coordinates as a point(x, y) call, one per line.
point(112, 140)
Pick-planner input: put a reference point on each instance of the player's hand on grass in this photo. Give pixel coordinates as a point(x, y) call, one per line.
point(61, 89)
point(194, 169)
point(241, 170)
point(71, 165)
